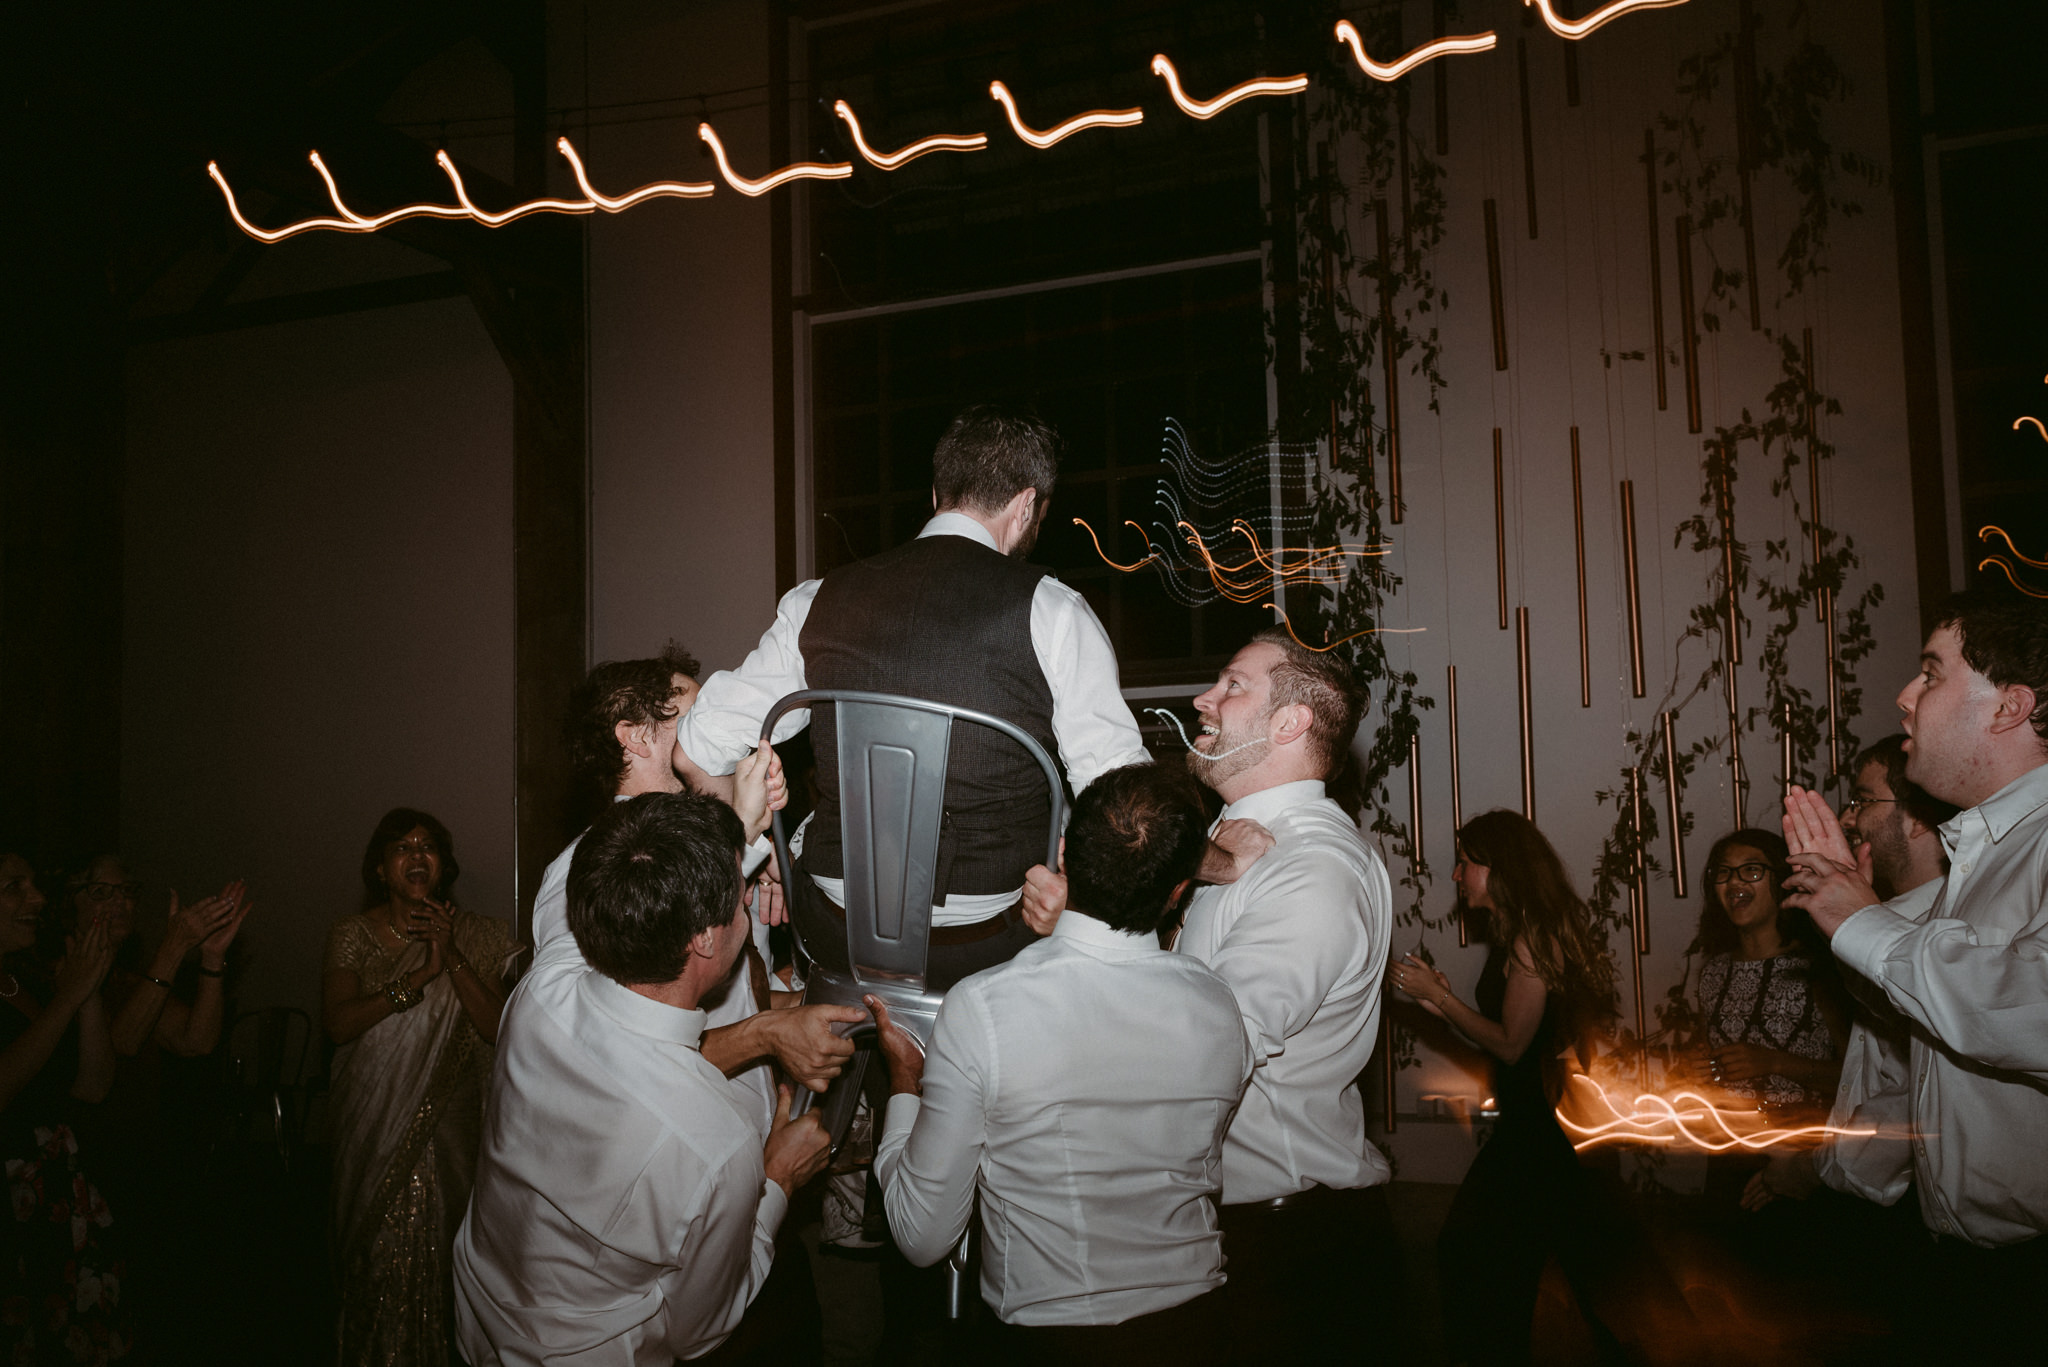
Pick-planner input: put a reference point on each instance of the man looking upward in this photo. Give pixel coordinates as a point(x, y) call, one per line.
point(1970, 975)
point(1301, 939)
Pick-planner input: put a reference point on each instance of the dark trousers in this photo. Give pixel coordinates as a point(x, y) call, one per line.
point(955, 952)
point(1192, 1334)
point(782, 1324)
point(1319, 1274)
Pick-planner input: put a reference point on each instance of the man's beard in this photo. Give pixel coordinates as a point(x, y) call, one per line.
point(1235, 751)
point(1889, 859)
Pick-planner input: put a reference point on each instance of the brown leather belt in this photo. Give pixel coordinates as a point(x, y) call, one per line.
point(950, 936)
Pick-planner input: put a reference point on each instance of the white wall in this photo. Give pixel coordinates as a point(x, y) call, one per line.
point(318, 615)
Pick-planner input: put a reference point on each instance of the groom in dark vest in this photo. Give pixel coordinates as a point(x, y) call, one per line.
point(955, 616)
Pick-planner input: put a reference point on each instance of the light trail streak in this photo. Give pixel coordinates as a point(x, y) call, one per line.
point(1655, 1119)
point(679, 189)
point(532, 206)
point(1579, 28)
point(2037, 426)
point(1441, 47)
point(1209, 109)
point(1986, 532)
point(1245, 580)
point(889, 161)
point(350, 222)
point(2010, 577)
point(1323, 649)
point(801, 170)
point(1096, 118)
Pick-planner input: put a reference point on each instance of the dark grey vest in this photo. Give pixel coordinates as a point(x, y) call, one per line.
point(947, 619)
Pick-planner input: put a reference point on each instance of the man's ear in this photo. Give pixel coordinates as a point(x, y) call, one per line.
point(702, 946)
point(2016, 704)
point(1291, 723)
point(633, 738)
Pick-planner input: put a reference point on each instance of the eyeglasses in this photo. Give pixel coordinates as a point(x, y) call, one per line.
point(1857, 804)
point(107, 892)
point(1748, 873)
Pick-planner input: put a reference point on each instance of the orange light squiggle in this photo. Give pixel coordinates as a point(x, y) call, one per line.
point(1654, 1119)
point(1150, 554)
point(2010, 577)
point(532, 206)
point(1579, 28)
point(1985, 533)
point(350, 222)
point(1369, 631)
point(1441, 47)
point(1098, 118)
point(1246, 580)
point(1209, 109)
point(2037, 426)
point(889, 161)
point(801, 170)
point(680, 189)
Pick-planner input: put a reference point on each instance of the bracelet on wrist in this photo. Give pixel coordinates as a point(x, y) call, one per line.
point(401, 995)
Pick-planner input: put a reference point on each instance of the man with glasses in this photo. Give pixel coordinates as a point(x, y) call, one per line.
point(1969, 973)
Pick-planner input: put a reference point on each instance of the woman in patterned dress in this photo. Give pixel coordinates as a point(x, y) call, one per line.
point(413, 988)
point(1771, 1025)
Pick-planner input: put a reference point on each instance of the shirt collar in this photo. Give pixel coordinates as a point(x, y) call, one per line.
point(1268, 803)
point(643, 1015)
point(2007, 807)
point(1080, 926)
point(958, 524)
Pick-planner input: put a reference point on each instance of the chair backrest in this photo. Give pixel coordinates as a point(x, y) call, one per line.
point(892, 799)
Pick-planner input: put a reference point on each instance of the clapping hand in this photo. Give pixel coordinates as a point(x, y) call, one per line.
point(193, 924)
point(213, 948)
point(88, 954)
point(1422, 982)
point(434, 923)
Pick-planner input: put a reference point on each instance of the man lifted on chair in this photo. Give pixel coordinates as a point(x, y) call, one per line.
point(956, 616)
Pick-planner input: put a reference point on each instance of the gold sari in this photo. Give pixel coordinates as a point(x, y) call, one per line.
point(407, 1102)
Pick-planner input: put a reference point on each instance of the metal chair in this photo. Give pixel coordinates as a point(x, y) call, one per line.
point(892, 754)
point(265, 1066)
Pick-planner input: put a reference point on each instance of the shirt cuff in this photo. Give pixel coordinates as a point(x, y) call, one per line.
point(1864, 940)
point(901, 1114)
point(774, 1205)
point(755, 855)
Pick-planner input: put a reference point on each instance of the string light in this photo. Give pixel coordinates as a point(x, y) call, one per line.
point(801, 170)
point(349, 223)
point(1654, 1119)
point(1441, 47)
point(1209, 109)
point(1097, 118)
point(681, 189)
point(532, 206)
point(1579, 28)
point(889, 161)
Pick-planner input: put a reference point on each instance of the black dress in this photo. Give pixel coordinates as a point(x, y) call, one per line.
point(1524, 1198)
point(61, 1287)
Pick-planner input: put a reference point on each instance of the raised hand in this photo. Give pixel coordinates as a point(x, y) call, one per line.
point(758, 788)
point(1422, 982)
point(213, 949)
point(1831, 890)
point(190, 925)
point(1045, 894)
point(904, 1054)
point(797, 1149)
point(1811, 827)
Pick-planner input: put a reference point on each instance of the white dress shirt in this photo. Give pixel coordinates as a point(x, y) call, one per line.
point(621, 1215)
point(1302, 940)
point(1874, 1094)
point(734, 1004)
point(1972, 975)
point(1085, 1085)
point(1090, 718)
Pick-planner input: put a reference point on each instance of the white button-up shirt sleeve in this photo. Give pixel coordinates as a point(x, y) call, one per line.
point(1090, 718)
point(1974, 974)
point(927, 1170)
point(724, 724)
point(1283, 958)
point(1873, 1096)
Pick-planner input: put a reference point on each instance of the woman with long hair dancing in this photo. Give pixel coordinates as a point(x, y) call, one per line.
point(1548, 983)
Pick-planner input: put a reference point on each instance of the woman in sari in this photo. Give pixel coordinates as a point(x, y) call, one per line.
point(413, 988)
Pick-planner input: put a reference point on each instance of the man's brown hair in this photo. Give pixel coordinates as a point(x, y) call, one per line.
point(1324, 683)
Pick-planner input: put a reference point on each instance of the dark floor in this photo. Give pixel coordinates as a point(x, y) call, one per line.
point(240, 1277)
